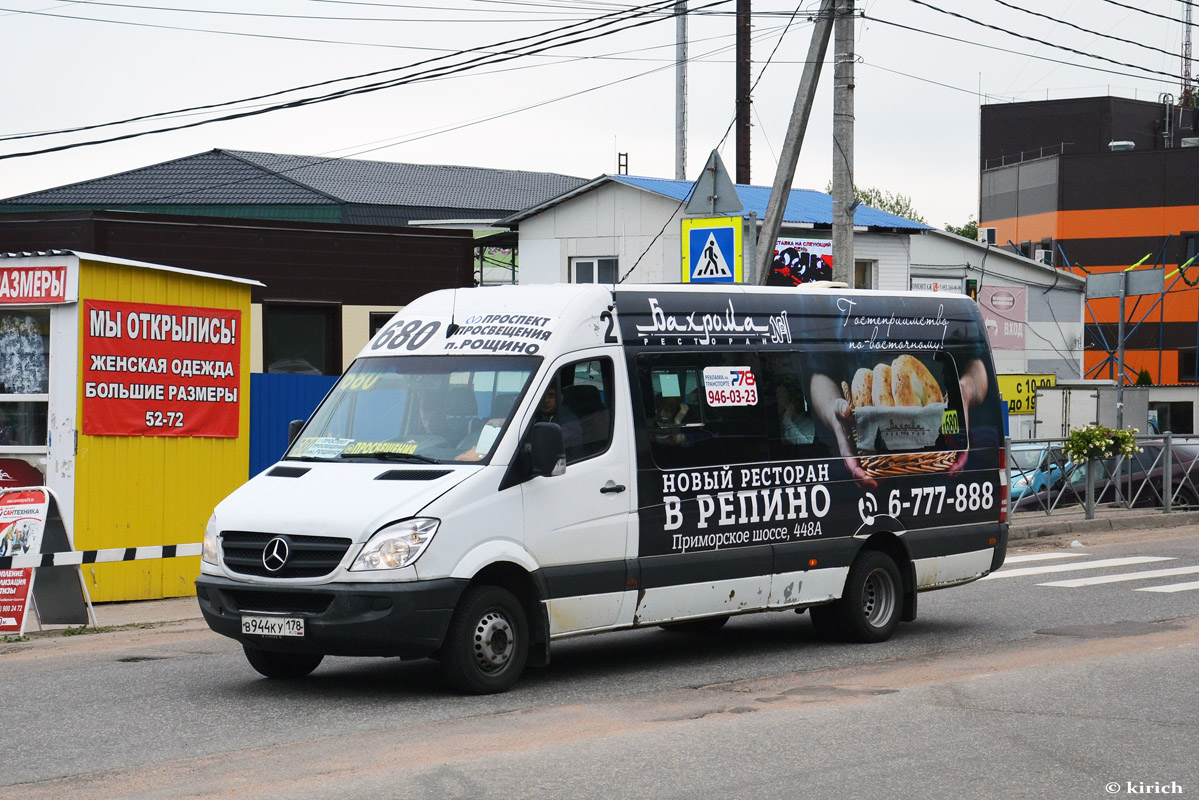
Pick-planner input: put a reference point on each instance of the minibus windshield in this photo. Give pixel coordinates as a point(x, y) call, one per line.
point(419, 409)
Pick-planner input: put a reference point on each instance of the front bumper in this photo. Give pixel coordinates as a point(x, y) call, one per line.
point(340, 619)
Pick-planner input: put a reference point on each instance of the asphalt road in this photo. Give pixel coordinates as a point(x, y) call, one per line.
point(1003, 688)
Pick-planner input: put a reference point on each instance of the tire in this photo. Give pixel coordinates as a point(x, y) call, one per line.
point(1185, 499)
point(487, 644)
point(869, 609)
point(824, 620)
point(282, 666)
point(708, 625)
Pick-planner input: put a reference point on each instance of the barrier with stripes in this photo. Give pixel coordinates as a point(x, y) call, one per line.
point(70, 558)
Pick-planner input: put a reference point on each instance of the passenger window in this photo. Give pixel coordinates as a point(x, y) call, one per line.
point(580, 399)
point(701, 409)
point(790, 421)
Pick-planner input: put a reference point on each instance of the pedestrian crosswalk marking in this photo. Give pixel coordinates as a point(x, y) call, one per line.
point(1100, 564)
point(1173, 587)
point(1040, 557)
point(1124, 576)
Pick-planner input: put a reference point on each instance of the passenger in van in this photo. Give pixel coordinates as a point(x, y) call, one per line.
point(668, 416)
point(797, 426)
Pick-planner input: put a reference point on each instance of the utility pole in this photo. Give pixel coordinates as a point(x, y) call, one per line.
point(780, 192)
point(844, 202)
point(742, 89)
point(680, 91)
point(1187, 101)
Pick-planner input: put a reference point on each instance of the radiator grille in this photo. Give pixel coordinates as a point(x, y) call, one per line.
point(309, 556)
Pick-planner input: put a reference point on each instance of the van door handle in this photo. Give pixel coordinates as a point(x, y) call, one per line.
point(611, 488)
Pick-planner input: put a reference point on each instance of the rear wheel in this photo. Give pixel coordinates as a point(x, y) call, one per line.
point(487, 643)
point(824, 620)
point(282, 666)
point(869, 609)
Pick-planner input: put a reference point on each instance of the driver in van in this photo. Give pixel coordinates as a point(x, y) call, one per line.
point(550, 409)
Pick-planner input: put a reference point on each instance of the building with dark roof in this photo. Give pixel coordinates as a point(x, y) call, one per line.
point(238, 183)
point(340, 251)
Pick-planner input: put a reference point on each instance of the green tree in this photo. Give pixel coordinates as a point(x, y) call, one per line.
point(969, 230)
point(1144, 378)
point(892, 202)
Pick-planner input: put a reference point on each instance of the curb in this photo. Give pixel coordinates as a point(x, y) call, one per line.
point(1118, 521)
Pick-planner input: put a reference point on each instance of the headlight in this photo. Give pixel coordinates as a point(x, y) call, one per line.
point(212, 548)
point(396, 545)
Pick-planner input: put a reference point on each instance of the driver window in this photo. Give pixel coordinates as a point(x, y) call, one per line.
point(580, 399)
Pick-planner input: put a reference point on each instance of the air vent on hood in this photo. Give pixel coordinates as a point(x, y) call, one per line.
point(288, 472)
point(412, 474)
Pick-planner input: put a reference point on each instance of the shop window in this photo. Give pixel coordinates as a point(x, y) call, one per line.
point(1190, 247)
point(863, 274)
point(593, 270)
point(377, 320)
point(24, 377)
point(1188, 366)
point(302, 339)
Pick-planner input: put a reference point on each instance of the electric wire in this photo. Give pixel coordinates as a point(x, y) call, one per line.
point(485, 50)
point(436, 72)
point(1069, 24)
point(1044, 42)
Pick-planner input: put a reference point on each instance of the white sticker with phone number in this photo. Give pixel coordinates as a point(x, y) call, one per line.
point(730, 386)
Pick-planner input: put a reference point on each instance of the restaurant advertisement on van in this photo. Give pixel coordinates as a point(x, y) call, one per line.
point(159, 370)
point(781, 424)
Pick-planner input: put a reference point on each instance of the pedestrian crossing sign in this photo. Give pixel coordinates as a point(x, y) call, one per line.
point(712, 250)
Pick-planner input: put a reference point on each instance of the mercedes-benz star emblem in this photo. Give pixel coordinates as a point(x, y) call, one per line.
point(275, 554)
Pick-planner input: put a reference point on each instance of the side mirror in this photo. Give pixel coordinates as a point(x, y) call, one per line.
point(293, 430)
point(547, 449)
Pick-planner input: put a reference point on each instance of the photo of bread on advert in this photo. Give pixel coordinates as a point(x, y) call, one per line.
point(899, 418)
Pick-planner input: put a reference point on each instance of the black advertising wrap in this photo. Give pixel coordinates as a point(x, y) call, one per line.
point(800, 418)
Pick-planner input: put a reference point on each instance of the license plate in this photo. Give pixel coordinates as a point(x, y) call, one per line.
point(273, 626)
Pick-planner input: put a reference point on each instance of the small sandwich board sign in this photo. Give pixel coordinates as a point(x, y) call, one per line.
point(31, 524)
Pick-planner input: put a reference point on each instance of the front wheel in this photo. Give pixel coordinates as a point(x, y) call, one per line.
point(282, 666)
point(487, 643)
point(869, 609)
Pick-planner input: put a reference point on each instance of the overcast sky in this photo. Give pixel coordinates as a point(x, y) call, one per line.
point(920, 79)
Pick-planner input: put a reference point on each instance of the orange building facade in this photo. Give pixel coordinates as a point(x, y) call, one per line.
point(1096, 185)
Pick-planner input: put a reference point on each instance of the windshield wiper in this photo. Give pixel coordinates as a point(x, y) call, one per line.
point(384, 455)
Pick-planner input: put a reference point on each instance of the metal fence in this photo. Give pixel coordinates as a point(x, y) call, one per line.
point(1163, 475)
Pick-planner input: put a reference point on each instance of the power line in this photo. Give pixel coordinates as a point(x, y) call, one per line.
point(1059, 21)
point(972, 43)
point(314, 17)
point(1147, 12)
point(370, 147)
point(551, 40)
point(1044, 42)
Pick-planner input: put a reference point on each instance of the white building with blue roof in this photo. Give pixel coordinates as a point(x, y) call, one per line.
point(631, 226)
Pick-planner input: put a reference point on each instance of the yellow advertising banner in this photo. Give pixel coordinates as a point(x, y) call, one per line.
point(1020, 391)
